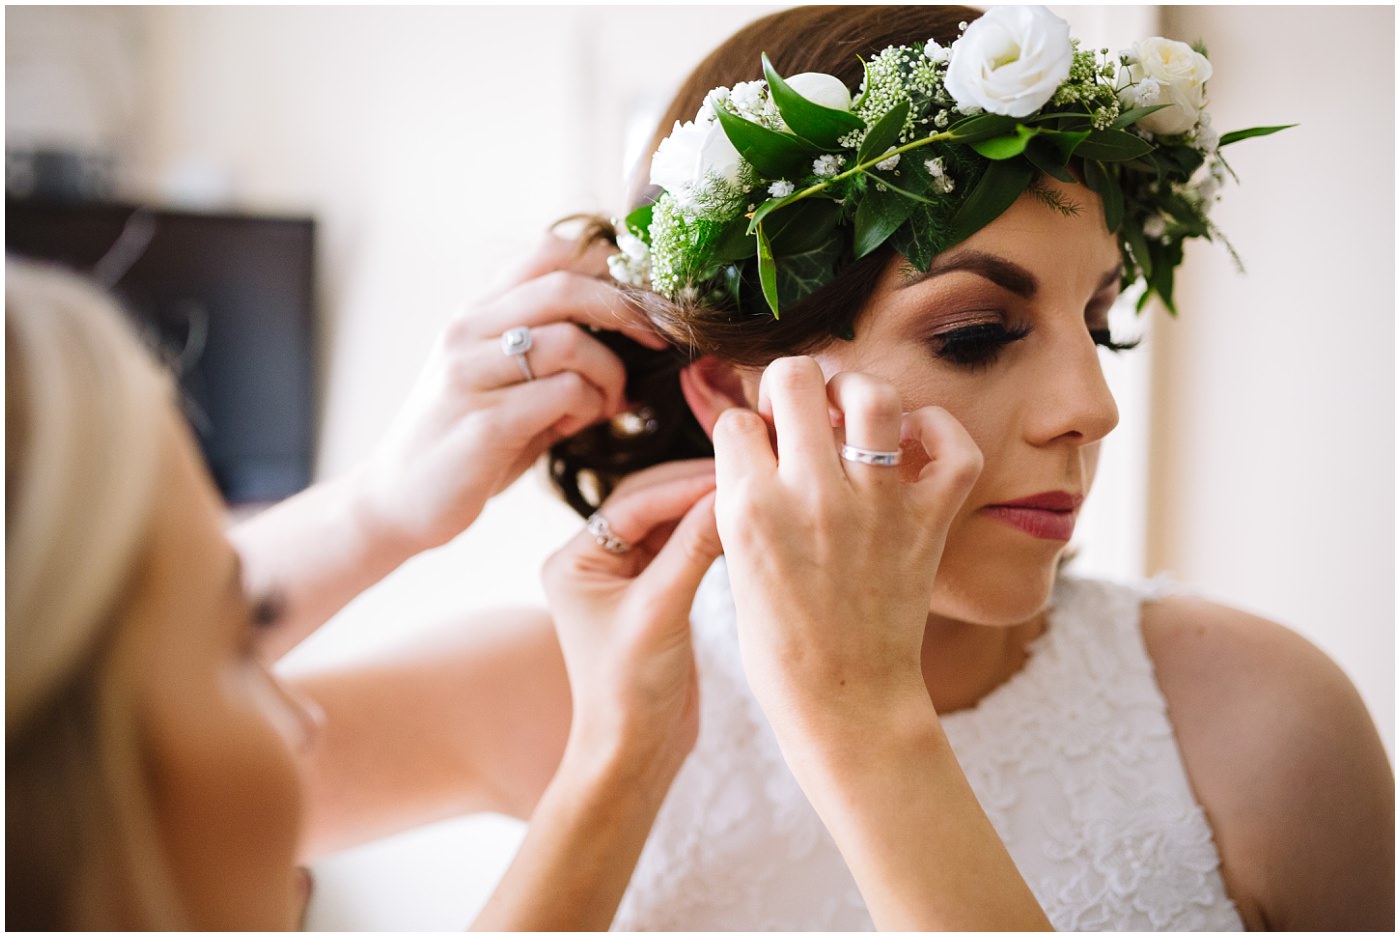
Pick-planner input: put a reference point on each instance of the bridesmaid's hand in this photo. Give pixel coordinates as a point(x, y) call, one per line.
point(832, 562)
point(624, 620)
point(473, 422)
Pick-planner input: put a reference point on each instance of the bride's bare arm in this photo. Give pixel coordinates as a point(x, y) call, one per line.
point(831, 565)
point(1286, 762)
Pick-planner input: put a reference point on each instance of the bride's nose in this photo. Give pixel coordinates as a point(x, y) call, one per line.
point(1070, 399)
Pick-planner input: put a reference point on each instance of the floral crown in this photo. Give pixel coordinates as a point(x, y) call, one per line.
point(778, 183)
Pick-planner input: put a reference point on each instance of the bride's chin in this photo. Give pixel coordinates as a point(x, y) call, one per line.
point(992, 594)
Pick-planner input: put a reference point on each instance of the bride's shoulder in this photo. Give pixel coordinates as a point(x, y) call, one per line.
point(1279, 747)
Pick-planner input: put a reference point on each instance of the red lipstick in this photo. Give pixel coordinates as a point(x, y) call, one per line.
point(1048, 515)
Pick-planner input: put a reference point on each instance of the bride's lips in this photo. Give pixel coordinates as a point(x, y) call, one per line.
point(1048, 515)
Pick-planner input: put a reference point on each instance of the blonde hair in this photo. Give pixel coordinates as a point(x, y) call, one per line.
point(84, 403)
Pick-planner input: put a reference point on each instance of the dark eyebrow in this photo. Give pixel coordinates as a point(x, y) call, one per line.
point(1009, 276)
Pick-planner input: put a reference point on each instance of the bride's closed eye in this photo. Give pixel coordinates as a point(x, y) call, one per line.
point(977, 344)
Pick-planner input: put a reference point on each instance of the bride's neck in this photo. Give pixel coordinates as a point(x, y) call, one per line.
point(964, 662)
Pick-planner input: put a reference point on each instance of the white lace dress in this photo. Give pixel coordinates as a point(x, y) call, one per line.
point(1073, 759)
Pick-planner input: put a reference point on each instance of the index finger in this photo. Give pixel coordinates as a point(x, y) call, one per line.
point(570, 297)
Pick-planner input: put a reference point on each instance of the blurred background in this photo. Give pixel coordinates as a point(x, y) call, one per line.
point(298, 199)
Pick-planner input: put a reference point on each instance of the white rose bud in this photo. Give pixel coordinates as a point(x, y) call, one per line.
point(1010, 61)
point(826, 90)
point(1179, 73)
point(692, 156)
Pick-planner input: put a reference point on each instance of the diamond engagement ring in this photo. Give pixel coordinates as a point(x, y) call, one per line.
point(516, 342)
point(602, 532)
point(869, 456)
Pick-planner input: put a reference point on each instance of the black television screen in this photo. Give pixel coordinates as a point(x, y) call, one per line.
point(229, 298)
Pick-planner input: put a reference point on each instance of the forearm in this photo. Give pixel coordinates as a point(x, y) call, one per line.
point(315, 551)
point(896, 801)
point(582, 845)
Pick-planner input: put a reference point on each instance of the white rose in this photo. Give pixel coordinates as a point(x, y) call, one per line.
point(692, 157)
point(826, 90)
point(1010, 61)
point(1180, 74)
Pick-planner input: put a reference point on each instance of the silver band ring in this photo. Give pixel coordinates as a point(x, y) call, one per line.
point(516, 342)
point(602, 532)
point(870, 456)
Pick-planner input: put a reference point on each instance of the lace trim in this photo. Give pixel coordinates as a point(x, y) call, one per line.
point(1073, 759)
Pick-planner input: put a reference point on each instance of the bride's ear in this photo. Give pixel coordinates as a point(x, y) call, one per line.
point(711, 386)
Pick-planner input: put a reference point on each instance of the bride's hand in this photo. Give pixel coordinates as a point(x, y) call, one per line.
point(832, 562)
point(473, 422)
point(624, 619)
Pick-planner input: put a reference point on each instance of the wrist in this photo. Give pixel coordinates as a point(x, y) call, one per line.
point(611, 765)
point(847, 736)
point(371, 517)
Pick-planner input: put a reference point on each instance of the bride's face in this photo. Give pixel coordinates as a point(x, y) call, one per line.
point(1002, 333)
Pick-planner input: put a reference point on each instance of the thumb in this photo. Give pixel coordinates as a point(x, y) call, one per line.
point(687, 555)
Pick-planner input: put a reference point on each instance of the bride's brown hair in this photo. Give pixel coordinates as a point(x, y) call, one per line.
point(661, 428)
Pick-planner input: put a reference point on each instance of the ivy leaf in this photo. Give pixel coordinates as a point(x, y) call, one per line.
point(981, 127)
point(1008, 146)
point(1113, 146)
point(1000, 185)
point(800, 274)
point(1235, 136)
point(820, 126)
point(775, 155)
point(767, 271)
point(879, 215)
point(884, 134)
point(1133, 115)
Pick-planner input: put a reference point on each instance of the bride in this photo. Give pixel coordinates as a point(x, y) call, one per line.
point(902, 692)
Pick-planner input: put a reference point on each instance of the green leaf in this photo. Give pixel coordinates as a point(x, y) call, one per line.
point(1141, 254)
point(1112, 146)
point(775, 155)
point(1235, 136)
point(1065, 141)
point(1134, 115)
point(1045, 158)
point(767, 271)
point(802, 227)
point(884, 134)
point(735, 243)
point(821, 126)
point(879, 215)
point(1099, 180)
point(800, 274)
point(999, 187)
point(981, 127)
point(638, 221)
point(1008, 146)
point(770, 206)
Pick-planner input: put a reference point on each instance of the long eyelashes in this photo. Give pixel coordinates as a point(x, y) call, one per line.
point(979, 345)
point(1103, 339)
point(976, 345)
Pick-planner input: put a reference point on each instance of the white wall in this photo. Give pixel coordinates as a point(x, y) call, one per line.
point(1273, 483)
point(1255, 456)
